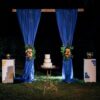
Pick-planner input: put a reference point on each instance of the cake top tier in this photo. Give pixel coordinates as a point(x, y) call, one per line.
point(47, 56)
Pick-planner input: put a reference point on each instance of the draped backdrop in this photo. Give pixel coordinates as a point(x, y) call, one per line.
point(29, 21)
point(66, 20)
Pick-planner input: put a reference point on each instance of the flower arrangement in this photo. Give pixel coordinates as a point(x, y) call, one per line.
point(89, 55)
point(66, 51)
point(8, 56)
point(30, 51)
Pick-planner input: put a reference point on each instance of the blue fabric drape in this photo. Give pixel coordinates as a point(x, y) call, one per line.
point(29, 21)
point(66, 20)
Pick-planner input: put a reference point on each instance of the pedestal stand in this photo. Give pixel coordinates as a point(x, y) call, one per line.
point(48, 85)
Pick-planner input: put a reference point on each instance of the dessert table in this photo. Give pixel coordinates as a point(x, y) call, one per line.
point(90, 70)
point(8, 70)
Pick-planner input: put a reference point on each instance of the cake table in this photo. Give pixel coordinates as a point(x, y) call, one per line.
point(48, 70)
point(48, 66)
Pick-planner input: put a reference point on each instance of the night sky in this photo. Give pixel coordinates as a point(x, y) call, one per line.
point(48, 39)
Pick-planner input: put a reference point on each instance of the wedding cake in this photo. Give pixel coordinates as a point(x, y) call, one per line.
point(47, 62)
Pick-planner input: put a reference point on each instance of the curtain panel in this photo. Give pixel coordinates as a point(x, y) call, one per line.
point(29, 21)
point(66, 20)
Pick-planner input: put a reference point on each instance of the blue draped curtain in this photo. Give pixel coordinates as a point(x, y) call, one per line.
point(66, 20)
point(29, 21)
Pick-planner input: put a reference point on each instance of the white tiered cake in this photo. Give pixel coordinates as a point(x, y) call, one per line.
point(47, 62)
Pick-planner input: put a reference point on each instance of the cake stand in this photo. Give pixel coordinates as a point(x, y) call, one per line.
point(48, 85)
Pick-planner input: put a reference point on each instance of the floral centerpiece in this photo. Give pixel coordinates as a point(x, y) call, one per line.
point(89, 55)
point(66, 51)
point(8, 56)
point(30, 52)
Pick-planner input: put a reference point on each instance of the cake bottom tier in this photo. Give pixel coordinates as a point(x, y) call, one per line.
point(47, 65)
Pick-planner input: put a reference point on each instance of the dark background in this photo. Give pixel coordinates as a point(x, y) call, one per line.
point(47, 38)
point(47, 3)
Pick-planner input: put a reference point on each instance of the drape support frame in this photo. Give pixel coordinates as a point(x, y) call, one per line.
point(52, 10)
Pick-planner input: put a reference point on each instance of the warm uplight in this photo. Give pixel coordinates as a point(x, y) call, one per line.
point(13, 10)
point(80, 10)
point(47, 10)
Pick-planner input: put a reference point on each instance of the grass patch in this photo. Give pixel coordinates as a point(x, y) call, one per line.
point(35, 90)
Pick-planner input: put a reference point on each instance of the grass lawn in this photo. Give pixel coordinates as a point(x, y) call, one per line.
point(58, 91)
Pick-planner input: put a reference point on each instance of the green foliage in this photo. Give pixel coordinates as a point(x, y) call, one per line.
point(63, 50)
